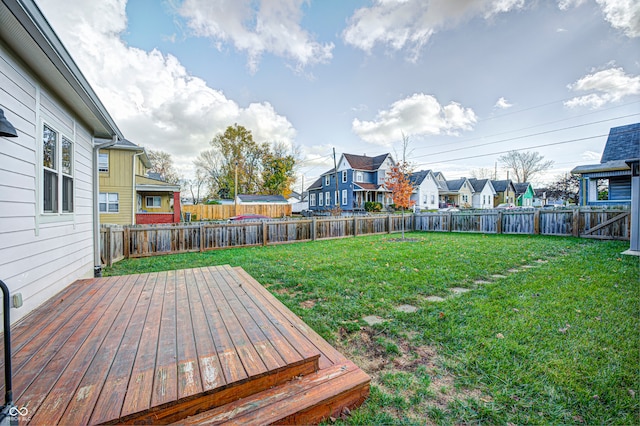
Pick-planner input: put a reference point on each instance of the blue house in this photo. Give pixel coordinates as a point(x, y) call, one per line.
point(359, 179)
point(609, 183)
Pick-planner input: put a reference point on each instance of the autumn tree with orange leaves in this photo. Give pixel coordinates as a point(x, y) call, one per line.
point(398, 182)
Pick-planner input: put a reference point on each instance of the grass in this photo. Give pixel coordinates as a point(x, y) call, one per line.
point(554, 341)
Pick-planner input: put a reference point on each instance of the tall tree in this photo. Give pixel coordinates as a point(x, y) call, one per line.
point(398, 181)
point(162, 163)
point(482, 173)
point(278, 174)
point(524, 165)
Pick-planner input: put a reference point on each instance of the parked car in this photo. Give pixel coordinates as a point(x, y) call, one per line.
point(505, 206)
point(249, 217)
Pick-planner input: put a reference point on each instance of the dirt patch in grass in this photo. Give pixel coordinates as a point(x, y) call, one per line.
point(382, 356)
point(308, 304)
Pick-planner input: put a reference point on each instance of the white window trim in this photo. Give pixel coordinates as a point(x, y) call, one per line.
point(327, 199)
point(359, 177)
point(312, 200)
point(153, 198)
point(103, 170)
point(344, 176)
point(320, 199)
point(59, 216)
point(344, 197)
point(106, 211)
point(327, 180)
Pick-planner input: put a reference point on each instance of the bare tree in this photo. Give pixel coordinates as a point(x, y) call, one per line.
point(482, 173)
point(524, 165)
point(162, 163)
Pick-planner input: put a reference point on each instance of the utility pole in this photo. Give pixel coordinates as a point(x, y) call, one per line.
point(335, 167)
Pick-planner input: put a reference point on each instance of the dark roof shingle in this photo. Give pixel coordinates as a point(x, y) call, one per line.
point(623, 143)
point(362, 162)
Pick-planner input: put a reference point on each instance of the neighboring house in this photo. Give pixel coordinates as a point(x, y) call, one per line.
point(425, 194)
point(128, 194)
point(524, 194)
point(49, 233)
point(299, 202)
point(457, 192)
point(483, 193)
point(361, 179)
point(505, 192)
point(609, 183)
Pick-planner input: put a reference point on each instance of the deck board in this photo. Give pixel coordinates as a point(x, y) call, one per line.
point(158, 347)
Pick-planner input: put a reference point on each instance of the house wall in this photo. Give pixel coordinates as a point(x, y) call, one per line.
point(465, 195)
point(40, 254)
point(483, 199)
point(424, 194)
point(120, 180)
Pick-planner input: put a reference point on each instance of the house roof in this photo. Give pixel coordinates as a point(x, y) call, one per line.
point(245, 198)
point(317, 184)
point(521, 187)
point(501, 185)
point(478, 184)
point(455, 184)
point(26, 31)
point(623, 143)
point(368, 186)
point(416, 178)
point(362, 162)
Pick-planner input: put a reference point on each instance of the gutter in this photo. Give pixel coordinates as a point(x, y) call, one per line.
point(97, 263)
point(134, 201)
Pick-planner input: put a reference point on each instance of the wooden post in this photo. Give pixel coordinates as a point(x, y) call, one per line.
point(575, 222)
point(126, 243)
point(265, 233)
point(499, 223)
point(449, 220)
point(108, 246)
point(389, 224)
point(536, 222)
point(355, 225)
point(313, 229)
point(202, 237)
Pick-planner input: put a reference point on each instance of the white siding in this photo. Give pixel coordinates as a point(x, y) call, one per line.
point(39, 256)
point(426, 195)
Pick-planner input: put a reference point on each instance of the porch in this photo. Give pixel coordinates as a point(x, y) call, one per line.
point(202, 345)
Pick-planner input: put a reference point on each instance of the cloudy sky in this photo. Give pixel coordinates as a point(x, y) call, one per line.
point(464, 80)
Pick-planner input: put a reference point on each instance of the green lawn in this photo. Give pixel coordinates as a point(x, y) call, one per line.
point(556, 340)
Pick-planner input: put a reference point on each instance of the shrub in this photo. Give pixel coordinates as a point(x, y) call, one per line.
point(372, 206)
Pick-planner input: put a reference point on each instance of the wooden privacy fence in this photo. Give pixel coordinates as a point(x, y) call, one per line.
point(151, 240)
point(225, 211)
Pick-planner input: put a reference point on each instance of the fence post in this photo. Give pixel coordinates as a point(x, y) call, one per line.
point(449, 220)
point(313, 229)
point(126, 243)
point(265, 233)
point(575, 222)
point(202, 237)
point(499, 224)
point(355, 225)
point(108, 246)
point(389, 224)
point(536, 222)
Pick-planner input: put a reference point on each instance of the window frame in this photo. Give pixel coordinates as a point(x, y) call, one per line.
point(320, 199)
point(107, 203)
point(312, 200)
point(56, 175)
point(327, 180)
point(327, 199)
point(344, 176)
point(153, 199)
point(359, 177)
point(344, 197)
point(100, 168)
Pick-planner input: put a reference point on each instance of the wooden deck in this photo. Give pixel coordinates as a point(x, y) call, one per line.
point(197, 346)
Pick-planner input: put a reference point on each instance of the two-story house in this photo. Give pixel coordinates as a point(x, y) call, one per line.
point(128, 194)
point(360, 179)
point(425, 194)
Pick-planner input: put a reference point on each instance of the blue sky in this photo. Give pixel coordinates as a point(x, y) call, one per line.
point(464, 80)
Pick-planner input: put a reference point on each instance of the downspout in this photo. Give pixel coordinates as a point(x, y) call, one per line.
point(134, 201)
point(97, 264)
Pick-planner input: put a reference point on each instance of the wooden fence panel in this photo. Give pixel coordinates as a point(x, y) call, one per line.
point(149, 240)
point(225, 211)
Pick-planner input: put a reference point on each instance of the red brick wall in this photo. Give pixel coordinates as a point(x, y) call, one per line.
point(149, 218)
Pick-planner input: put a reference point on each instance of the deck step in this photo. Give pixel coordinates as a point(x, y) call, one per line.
point(305, 400)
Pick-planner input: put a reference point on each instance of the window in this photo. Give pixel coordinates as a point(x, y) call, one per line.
point(57, 165)
point(108, 202)
point(103, 162)
point(344, 197)
point(327, 198)
point(344, 176)
point(320, 199)
point(153, 202)
point(312, 200)
point(433, 199)
point(327, 180)
point(359, 177)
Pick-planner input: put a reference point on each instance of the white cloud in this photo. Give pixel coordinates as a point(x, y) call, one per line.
point(151, 96)
point(408, 24)
point(610, 85)
point(591, 155)
point(274, 27)
point(418, 114)
point(621, 14)
point(502, 103)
